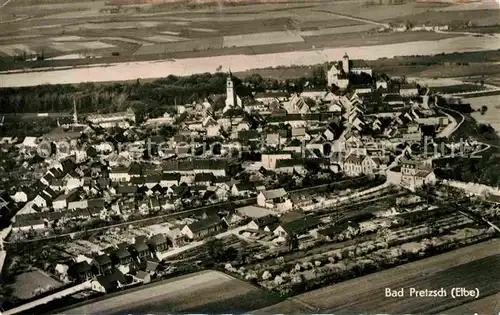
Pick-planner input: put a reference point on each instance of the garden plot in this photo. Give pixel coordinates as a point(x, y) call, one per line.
point(338, 30)
point(202, 30)
point(67, 38)
point(150, 24)
point(378, 12)
point(307, 15)
point(435, 82)
point(480, 5)
point(74, 46)
point(40, 27)
point(181, 23)
point(15, 49)
point(18, 37)
point(452, 18)
point(170, 33)
point(258, 39)
point(196, 17)
point(124, 39)
point(180, 46)
point(368, 255)
point(164, 39)
point(446, 224)
point(113, 25)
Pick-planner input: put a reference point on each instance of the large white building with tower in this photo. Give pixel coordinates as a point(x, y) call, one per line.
point(338, 74)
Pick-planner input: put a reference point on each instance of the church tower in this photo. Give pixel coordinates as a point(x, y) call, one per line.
point(75, 114)
point(232, 100)
point(345, 64)
point(230, 90)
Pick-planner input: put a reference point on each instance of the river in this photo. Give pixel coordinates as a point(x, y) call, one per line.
point(182, 67)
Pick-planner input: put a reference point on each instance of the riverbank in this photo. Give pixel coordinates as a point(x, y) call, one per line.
point(237, 63)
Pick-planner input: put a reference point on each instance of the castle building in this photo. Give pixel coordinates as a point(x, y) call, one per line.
point(338, 74)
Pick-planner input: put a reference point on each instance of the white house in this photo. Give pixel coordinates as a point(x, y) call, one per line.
point(271, 97)
point(381, 84)
point(415, 174)
point(119, 175)
point(30, 142)
point(277, 199)
point(213, 131)
point(297, 105)
point(78, 204)
point(19, 196)
point(170, 179)
point(41, 200)
point(363, 90)
point(60, 203)
point(370, 165)
point(73, 183)
point(336, 77)
point(28, 225)
point(111, 120)
point(242, 189)
point(353, 165)
point(408, 90)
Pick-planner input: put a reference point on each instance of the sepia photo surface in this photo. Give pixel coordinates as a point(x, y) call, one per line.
point(249, 157)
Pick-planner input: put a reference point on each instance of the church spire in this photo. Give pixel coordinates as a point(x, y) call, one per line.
point(75, 114)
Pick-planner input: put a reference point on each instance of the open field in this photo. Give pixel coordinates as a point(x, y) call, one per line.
point(381, 12)
point(143, 29)
point(207, 291)
point(259, 39)
point(441, 82)
point(164, 38)
point(479, 5)
point(27, 284)
point(456, 17)
point(459, 88)
point(470, 267)
point(492, 115)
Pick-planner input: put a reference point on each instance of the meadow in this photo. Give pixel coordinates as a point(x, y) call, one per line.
point(120, 33)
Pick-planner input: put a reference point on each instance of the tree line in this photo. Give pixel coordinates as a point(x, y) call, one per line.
point(152, 97)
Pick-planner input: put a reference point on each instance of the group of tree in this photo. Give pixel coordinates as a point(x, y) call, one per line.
point(477, 170)
point(152, 97)
point(218, 253)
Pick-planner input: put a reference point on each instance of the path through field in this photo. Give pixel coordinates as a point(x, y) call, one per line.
point(5, 3)
point(384, 25)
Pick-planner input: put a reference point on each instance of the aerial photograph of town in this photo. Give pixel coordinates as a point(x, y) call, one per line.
point(249, 157)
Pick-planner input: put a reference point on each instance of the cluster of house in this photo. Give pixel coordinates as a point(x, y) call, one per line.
point(354, 133)
point(68, 191)
point(126, 264)
point(122, 265)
